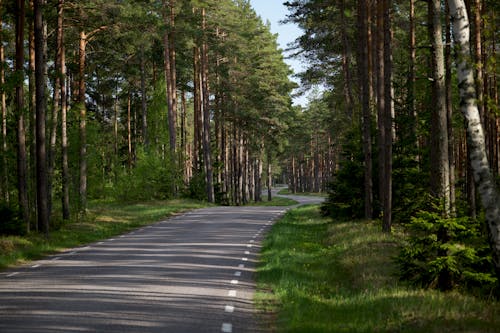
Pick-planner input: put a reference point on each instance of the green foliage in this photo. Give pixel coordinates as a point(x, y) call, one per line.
point(10, 221)
point(197, 188)
point(447, 253)
point(153, 177)
point(410, 188)
point(345, 193)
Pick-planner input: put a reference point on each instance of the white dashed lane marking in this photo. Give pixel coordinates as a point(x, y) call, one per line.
point(244, 259)
point(13, 274)
point(227, 328)
point(229, 308)
point(35, 266)
point(237, 273)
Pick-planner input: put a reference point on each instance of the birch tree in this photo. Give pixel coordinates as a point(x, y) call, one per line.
point(475, 133)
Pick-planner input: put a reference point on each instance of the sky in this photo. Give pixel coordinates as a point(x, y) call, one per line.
point(274, 11)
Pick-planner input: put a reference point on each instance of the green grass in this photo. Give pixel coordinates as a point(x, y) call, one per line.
point(102, 221)
point(317, 275)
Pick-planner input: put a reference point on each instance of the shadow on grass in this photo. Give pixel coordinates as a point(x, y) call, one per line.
point(323, 276)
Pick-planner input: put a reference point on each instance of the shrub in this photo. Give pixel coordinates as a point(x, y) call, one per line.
point(447, 253)
point(152, 177)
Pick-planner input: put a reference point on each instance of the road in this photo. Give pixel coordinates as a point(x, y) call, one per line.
point(190, 273)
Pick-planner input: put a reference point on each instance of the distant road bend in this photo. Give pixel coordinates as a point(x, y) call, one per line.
point(190, 273)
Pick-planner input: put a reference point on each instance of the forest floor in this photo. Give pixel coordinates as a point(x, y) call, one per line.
point(319, 275)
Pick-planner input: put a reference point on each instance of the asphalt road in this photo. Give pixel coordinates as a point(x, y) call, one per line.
point(191, 273)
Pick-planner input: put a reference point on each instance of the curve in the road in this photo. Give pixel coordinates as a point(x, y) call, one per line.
point(191, 273)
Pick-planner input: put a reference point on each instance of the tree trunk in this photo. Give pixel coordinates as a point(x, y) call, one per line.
point(83, 122)
point(64, 129)
point(56, 103)
point(129, 130)
point(197, 112)
point(440, 165)
point(170, 77)
point(207, 154)
point(449, 110)
point(478, 58)
point(346, 66)
point(41, 150)
point(3, 105)
point(144, 109)
point(364, 74)
point(31, 121)
point(21, 130)
point(381, 105)
point(476, 140)
point(412, 112)
point(269, 176)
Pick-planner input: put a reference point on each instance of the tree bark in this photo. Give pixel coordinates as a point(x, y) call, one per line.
point(364, 74)
point(440, 164)
point(346, 65)
point(129, 130)
point(64, 128)
point(21, 130)
point(476, 140)
point(269, 176)
point(83, 121)
point(412, 112)
point(449, 110)
point(145, 137)
point(170, 76)
point(207, 154)
point(5, 170)
point(197, 112)
point(381, 106)
point(41, 149)
point(56, 103)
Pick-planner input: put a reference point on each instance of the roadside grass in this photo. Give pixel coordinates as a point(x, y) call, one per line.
point(287, 191)
point(319, 275)
point(103, 220)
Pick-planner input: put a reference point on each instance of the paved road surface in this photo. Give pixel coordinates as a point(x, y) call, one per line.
point(191, 273)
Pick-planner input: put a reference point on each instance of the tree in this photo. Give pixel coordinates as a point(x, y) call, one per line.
point(475, 133)
point(4, 184)
point(440, 165)
point(21, 126)
point(41, 148)
point(366, 101)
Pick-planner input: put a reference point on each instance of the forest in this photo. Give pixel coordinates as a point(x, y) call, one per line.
point(137, 100)
point(141, 99)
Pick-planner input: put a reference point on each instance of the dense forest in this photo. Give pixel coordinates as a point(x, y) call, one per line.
point(411, 91)
point(135, 100)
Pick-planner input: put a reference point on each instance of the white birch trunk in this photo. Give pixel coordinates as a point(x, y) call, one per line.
point(475, 134)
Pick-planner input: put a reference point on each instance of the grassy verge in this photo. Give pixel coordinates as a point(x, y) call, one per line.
point(316, 275)
point(103, 220)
